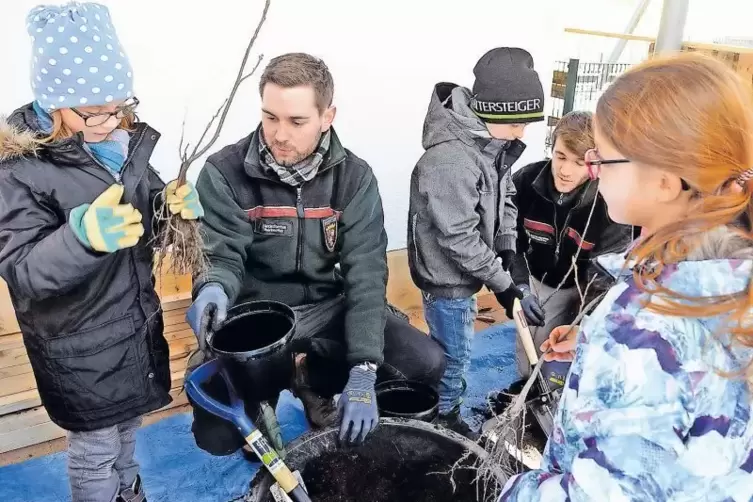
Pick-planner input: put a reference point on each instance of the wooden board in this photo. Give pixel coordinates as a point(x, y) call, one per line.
point(652, 40)
point(401, 291)
point(737, 57)
point(33, 426)
point(559, 83)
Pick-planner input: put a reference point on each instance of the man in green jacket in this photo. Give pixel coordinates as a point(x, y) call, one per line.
point(292, 216)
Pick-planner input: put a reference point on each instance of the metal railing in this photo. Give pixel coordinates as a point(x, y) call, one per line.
point(578, 85)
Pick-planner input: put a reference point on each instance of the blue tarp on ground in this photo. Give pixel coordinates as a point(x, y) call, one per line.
point(175, 470)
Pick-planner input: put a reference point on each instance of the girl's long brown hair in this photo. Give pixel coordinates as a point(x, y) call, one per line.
point(692, 116)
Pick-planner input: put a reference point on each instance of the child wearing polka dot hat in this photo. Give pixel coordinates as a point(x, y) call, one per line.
point(78, 59)
point(78, 198)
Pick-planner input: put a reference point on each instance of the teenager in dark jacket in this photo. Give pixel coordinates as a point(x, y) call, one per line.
point(292, 216)
point(462, 216)
point(555, 201)
point(76, 199)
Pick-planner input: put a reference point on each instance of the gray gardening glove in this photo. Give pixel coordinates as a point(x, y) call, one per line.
point(357, 405)
point(532, 307)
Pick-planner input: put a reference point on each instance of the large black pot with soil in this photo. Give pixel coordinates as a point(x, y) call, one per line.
point(401, 461)
point(253, 342)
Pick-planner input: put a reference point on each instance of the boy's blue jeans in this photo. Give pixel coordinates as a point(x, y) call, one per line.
point(451, 324)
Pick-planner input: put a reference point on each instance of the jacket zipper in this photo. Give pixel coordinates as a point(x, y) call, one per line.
point(556, 234)
point(118, 177)
point(499, 192)
point(560, 234)
point(299, 254)
point(413, 229)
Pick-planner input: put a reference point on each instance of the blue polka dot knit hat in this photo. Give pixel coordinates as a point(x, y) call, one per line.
point(77, 58)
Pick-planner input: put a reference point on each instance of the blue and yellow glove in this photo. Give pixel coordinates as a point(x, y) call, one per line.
point(106, 225)
point(184, 200)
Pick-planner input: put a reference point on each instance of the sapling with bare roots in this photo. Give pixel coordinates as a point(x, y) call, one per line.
point(181, 238)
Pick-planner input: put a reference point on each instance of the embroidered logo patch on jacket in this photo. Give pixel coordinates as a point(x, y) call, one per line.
point(329, 227)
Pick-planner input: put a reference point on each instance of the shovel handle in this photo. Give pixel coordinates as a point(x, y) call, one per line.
point(236, 414)
point(524, 332)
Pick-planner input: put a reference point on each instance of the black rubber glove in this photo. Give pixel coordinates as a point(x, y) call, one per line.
point(507, 297)
point(507, 256)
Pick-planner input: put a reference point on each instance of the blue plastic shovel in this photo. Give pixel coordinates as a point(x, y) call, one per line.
point(236, 414)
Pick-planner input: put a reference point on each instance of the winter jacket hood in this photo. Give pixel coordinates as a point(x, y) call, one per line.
point(90, 321)
point(17, 139)
point(652, 408)
point(461, 214)
point(450, 118)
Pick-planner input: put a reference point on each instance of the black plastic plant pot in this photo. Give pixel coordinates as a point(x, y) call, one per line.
point(253, 344)
point(407, 399)
point(402, 460)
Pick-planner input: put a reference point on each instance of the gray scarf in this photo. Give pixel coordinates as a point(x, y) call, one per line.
point(299, 173)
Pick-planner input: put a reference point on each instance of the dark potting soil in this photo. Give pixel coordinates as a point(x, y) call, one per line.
point(405, 401)
point(251, 332)
point(349, 476)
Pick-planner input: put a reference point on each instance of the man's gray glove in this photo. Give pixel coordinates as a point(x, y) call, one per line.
point(208, 310)
point(528, 301)
point(357, 405)
point(531, 307)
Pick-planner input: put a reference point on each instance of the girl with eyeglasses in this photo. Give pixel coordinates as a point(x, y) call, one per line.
point(77, 199)
point(657, 405)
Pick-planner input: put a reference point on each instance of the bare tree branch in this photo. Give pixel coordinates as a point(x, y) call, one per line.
point(583, 294)
point(193, 155)
point(182, 136)
point(511, 424)
point(575, 258)
point(202, 149)
point(530, 277)
point(223, 107)
point(183, 238)
point(253, 70)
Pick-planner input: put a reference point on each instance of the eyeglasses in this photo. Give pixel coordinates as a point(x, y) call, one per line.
point(594, 162)
point(127, 109)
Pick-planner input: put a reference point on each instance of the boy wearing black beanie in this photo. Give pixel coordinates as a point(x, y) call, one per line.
point(462, 219)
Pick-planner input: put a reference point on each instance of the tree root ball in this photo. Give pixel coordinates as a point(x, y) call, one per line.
point(183, 241)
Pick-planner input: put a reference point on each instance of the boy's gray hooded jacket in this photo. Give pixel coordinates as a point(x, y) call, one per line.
point(461, 212)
